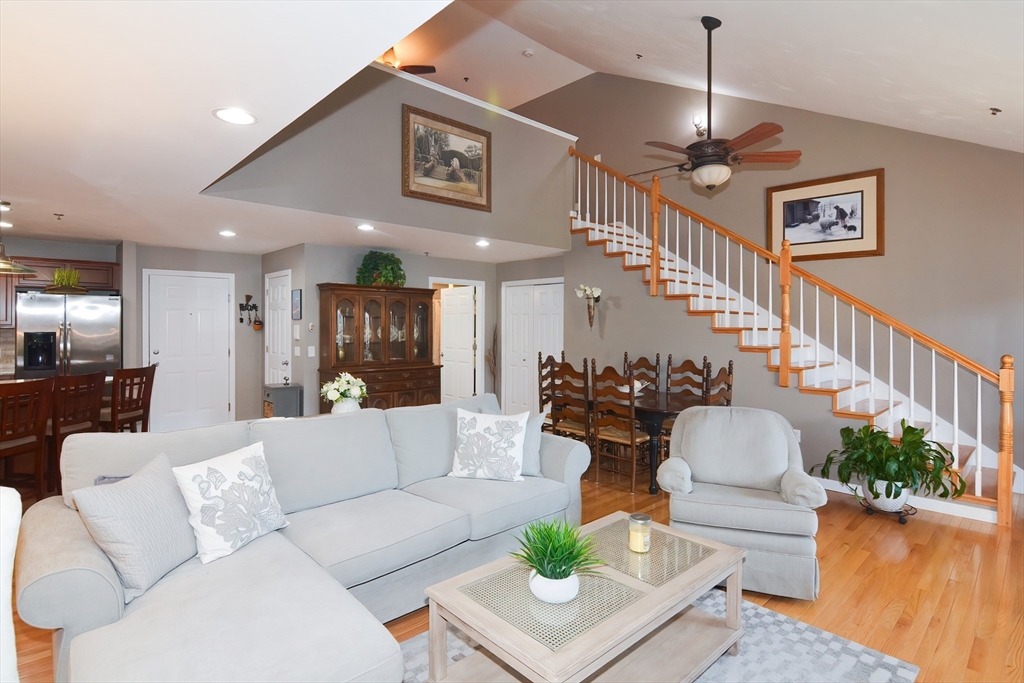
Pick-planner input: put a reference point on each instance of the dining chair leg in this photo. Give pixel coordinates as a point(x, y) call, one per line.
point(40, 477)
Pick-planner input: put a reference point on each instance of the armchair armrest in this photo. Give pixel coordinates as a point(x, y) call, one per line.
point(800, 488)
point(565, 460)
point(674, 476)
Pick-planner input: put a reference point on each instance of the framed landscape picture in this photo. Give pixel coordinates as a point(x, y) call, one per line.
point(445, 161)
point(838, 217)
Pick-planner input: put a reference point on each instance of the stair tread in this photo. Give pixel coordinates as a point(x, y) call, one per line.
point(989, 483)
point(864, 407)
point(897, 430)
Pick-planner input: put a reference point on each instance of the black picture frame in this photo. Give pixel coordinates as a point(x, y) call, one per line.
point(296, 304)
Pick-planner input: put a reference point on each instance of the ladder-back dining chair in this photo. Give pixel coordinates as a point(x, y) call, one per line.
point(77, 401)
point(644, 370)
point(129, 400)
point(546, 385)
point(24, 411)
point(570, 410)
point(719, 391)
point(685, 378)
point(619, 440)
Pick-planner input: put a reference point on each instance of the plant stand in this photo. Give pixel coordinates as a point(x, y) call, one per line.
point(903, 513)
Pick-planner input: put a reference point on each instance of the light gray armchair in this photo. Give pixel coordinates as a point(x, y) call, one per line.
point(736, 476)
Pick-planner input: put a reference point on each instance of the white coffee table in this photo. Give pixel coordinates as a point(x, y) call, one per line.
point(633, 621)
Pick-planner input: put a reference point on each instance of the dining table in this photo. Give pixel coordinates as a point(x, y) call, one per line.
point(651, 409)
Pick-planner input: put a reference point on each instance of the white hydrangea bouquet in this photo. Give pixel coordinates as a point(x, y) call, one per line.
point(344, 390)
point(593, 296)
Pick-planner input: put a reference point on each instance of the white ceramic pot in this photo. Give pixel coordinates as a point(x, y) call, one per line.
point(554, 591)
point(883, 502)
point(345, 405)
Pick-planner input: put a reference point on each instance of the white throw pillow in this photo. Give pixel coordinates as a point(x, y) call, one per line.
point(231, 501)
point(489, 446)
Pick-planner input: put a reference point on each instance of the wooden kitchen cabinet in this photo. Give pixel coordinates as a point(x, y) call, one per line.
point(384, 336)
point(93, 275)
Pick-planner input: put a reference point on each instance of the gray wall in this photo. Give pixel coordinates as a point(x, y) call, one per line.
point(248, 343)
point(953, 213)
point(533, 269)
point(312, 264)
point(343, 157)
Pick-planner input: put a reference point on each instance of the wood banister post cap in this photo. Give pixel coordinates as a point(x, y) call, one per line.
point(785, 244)
point(1007, 362)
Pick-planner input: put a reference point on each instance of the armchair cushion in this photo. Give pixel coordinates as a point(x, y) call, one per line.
point(674, 476)
point(800, 488)
point(741, 508)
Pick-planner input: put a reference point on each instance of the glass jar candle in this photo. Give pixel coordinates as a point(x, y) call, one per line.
point(639, 533)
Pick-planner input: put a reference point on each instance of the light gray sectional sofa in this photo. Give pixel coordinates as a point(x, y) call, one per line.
point(373, 520)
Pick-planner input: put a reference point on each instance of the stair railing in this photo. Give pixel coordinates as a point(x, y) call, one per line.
point(681, 246)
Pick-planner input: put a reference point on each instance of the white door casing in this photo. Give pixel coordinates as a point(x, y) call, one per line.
point(532, 323)
point(276, 327)
point(458, 341)
point(187, 329)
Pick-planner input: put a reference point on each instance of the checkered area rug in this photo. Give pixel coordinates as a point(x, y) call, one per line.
point(774, 648)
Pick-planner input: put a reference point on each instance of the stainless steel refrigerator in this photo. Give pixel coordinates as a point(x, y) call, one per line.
point(70, 334)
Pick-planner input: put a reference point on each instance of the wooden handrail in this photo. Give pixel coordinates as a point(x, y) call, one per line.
point(887, 319)
point(573, 152)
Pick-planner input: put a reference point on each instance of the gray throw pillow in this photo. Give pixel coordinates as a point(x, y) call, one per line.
point(141, 523)
point(531, 447)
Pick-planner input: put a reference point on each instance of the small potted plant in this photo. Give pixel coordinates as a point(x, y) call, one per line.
point(65, 281)
point(345, 392)
point(380, 269)
point(557, 556)
point(890, 472)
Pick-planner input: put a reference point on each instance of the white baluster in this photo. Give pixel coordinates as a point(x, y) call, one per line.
point(913, 389)
point(802, 323)
point(757, 332)
point(677, 252)
point(725, 296)
point(771, 291)
point(956, 414)
point(632, 248)
point(643, 242)
point(700, 290)
point(817, 333)
point(853, 352)
point(606, 198)
point(615, 213)
point(579, 190)
point(935, 417)
point(978, 459)
point(689, 258)
point(740, 296)
point(835, 342)
point(871, 364)
point(588, 192)
point(892, 413)
point(714, 272)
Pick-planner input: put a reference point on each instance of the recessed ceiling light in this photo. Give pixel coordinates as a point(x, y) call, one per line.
point(235, 115)
point(364, 226)
point(227, 233)
point(482, 243)
point(5, 224)
point(5, 206)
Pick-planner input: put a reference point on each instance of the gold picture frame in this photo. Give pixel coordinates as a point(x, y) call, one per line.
point(841, 216)
point(445, 161)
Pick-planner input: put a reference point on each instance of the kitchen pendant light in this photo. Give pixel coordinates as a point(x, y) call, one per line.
point(7, 266)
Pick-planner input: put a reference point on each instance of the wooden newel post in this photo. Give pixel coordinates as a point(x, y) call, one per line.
point(785, 336)
point(655, 249)
point(1004, 492)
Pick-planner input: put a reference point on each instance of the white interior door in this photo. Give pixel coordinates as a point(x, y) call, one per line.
point(276, 324)
point(458, 343)
point(519, 372)
point(189, 336)
point(548, 320)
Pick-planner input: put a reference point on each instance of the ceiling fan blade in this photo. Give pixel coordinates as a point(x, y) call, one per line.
point(418, 69)
point(767, 157)
point(669, 147)
point(761, 131)
point(655, 170)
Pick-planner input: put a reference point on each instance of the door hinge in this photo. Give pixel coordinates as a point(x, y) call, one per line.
point(229, 353)
point(229, 407)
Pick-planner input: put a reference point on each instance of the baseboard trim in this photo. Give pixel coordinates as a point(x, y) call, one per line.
point(965, 510)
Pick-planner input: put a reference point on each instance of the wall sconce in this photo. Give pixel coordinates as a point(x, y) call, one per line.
point(593, 296)
point(698, 123)
point(247, 310)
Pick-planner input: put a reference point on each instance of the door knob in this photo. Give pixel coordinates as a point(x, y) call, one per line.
point(156, 352)
point(284, 362)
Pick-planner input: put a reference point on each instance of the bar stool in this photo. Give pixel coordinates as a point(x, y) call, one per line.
point(76, 408)
point(129, 400)
point(24, 410)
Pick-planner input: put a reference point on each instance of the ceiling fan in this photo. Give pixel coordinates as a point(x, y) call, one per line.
point(709, 160)
point(391, 59)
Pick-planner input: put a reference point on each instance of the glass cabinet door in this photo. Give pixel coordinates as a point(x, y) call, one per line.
point(397, 330)
point(373, 348)
point(421, 330)
point(345, 332)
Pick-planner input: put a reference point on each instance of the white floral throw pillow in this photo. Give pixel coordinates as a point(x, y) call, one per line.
point(230, 500)
point(489, 446)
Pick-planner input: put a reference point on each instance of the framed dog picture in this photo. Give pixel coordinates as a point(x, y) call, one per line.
point(838, 217)
point(445, 161)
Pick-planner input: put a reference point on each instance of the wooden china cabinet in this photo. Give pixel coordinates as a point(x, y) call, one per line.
point(385, 337)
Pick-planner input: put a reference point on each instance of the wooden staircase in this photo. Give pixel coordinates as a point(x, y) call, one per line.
point(763, 299)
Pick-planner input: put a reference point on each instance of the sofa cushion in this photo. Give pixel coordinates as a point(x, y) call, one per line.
point(496, 506)
point(738, 508)
point(424, 436)
point(363, 538)
point(87, 457)
point(489, 446)
point(264, 613)
point(320, 460)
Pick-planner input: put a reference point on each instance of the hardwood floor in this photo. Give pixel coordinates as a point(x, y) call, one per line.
point(944, 593)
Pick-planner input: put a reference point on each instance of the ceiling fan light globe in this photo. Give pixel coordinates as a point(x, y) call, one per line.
point(710, 175)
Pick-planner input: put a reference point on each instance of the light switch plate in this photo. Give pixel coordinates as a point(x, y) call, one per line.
point(295, 334)
point(311, 352)
point(298, 352)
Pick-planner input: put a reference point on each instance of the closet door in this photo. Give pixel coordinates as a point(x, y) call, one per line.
point(519, 375)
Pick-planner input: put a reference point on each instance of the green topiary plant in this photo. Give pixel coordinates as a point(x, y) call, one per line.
point(381, 269)
point(65, 277)
point(555, 550)
point(915, 463)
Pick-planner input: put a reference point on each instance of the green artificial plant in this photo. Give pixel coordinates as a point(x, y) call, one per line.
point(914, 463)
point(555, 550)
point(65, 277)
point(381, 269)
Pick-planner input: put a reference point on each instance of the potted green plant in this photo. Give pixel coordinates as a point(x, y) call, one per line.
point(381, 269)
point(557, 556)
point(65, 281)
point(890, 472)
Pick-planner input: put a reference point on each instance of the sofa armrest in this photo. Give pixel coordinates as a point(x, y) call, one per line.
point(800, 488)
point(565, 460)
point(674, 476)
point(64, 580)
